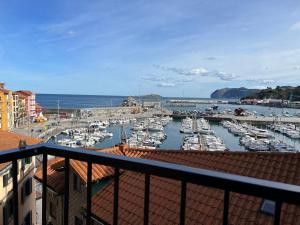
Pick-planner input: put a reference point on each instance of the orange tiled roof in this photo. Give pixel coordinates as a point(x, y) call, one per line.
point(80, 168)
point(204, 205)
point(55, 178)
point(5, 91)
point(24, 92)
point(38, 106)
point(9, 140)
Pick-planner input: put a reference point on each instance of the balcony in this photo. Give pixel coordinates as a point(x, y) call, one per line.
point(226, 183)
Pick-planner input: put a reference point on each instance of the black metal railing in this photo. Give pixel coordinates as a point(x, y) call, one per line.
point(277, 192)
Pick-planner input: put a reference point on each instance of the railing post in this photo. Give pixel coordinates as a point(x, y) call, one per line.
point(66, 194)
point(226, 207)
point(15, 192)
point(44, 191)
point(182, 203)
point(116, 197)
point(89, 194)
point(278, 205)
point(146, 199)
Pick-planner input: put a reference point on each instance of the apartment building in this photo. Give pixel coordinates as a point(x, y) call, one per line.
point(30, 103)
point(6, 109)
point(26, 185)
point(19, 109)
point(78, 182)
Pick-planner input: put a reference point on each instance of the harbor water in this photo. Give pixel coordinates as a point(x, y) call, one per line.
point(174, 137)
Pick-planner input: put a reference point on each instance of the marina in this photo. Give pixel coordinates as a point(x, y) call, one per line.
point(181, 127)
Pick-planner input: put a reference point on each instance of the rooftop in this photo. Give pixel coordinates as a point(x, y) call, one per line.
point(24, 92)
point(204, 205)
point(9, 140)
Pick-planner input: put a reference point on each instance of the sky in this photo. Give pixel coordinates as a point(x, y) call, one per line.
point(184, 48)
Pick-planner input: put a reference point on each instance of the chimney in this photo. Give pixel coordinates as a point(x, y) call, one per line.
point(2, 85)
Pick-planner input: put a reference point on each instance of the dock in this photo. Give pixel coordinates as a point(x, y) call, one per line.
point(259, 120)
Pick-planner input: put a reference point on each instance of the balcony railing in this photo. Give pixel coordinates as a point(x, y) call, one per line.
point(277, 192)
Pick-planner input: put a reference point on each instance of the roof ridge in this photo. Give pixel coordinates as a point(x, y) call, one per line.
point(159, 151)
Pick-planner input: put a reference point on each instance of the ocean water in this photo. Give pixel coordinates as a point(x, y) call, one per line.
point(86, 101)
point(94, 101)
point(78, 101)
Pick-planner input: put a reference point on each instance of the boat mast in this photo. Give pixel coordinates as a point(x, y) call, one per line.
point(58, 112)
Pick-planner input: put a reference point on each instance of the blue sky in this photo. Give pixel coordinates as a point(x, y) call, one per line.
point(169, 47)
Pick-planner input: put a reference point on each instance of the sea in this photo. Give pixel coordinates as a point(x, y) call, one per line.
point(174, 137)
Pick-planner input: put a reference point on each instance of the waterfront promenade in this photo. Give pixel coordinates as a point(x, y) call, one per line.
point(55, 126)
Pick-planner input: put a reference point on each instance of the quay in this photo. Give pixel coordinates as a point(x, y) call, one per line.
point(80, 118)
point(258, 120)
point(196, 101)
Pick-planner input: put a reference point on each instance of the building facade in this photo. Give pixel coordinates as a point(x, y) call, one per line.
point(6, 107)
point(26, 188)
point(26, 183)
point(102, 175)
point(19, 110)
point(30, 102)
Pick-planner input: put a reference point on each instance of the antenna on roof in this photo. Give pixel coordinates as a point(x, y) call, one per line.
point(22, 144)
point(123, 135)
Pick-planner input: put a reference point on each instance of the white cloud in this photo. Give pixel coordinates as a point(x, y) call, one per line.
point(71, 32)
point(296, 26)
point(166, 84)
point(225, 76)
point(154, 78)
point(184, 80)
point(296, 68)
point(209, 58)
point(262, 81)
point(198, 71)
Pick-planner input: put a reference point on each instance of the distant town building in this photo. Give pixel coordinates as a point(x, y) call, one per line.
point(19, 109)
point(250, 101)
point(152, 104)
point(16, 108)
point(294, 104)
point(130, 102)
point(6, 106)
point(30, 102)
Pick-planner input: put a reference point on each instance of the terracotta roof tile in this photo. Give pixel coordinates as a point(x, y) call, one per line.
point(80, 168)
point(54, 176)
point(204, 205)
point(9, 140)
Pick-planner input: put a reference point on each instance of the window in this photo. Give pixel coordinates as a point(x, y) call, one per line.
point(28, 160)
point(7, 212)
point(76, 183)
point(268, 207)
point(78, 221)
point(7, 178)
point(28, 219)
point(26, 189)
point(52, 210)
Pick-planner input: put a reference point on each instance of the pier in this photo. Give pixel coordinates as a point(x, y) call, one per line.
point(260, 120)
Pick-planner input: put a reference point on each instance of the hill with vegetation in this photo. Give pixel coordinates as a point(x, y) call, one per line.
point(233, 93)
point(284, 93)
point(150, 97)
